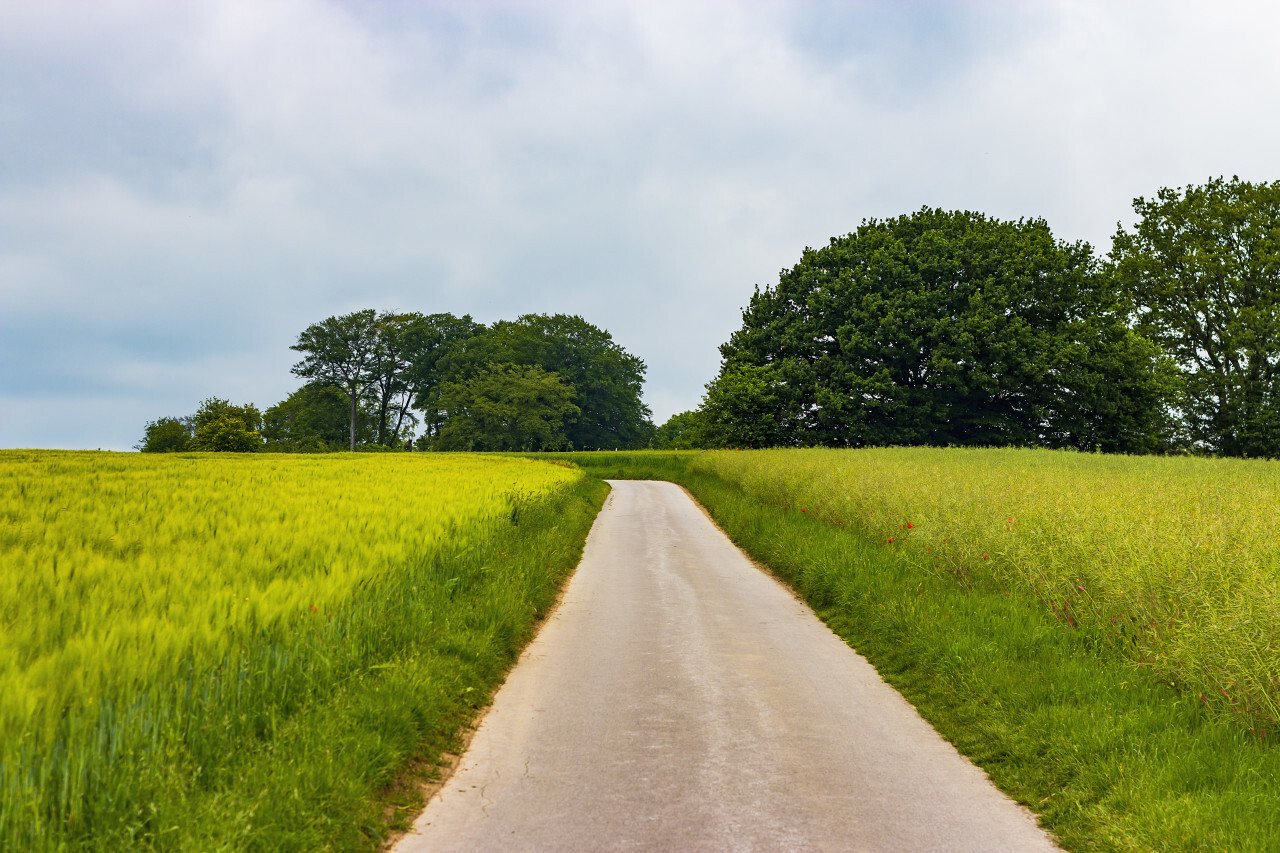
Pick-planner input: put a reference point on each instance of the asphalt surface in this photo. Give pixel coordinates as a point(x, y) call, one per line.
point(681, 699)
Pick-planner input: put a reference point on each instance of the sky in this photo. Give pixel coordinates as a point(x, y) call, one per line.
point(186, 186)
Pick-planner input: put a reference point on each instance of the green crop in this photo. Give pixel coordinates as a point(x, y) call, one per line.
point(159, 614)
point(1174, 560)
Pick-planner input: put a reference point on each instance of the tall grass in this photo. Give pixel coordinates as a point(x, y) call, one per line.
point(169, 621)
point(1176, 561)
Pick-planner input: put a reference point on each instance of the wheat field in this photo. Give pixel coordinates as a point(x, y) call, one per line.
point(158, 609)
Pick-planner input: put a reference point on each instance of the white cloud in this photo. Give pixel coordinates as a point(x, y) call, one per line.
point(185, 186)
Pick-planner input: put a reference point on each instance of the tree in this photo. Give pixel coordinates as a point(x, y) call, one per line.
point(341, 351)
point(390, 393)
point(942, 328)
point(741, 408)
point(607, 380)
point(223, 426)
point(682, 431)
point(506, 407)
point(215, 408)
point(167, 435)
point(226, 434)
point(1201, 270)
point(428, 339)
point(313, 418)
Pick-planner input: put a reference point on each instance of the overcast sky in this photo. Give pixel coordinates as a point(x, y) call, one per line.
point(185, 186)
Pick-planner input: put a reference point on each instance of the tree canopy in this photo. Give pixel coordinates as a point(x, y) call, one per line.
point(506, 407)
point(1201, 271)
point(943, 328)
point(938, 327)
point(607, 381)
point(166, 435)
point(342, 351)
point(682, 431)
point(313, 418)
point(393, 370)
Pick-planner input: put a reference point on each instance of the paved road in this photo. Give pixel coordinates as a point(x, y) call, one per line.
point(680, 699)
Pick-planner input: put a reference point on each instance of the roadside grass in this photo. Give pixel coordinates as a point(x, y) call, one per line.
point(279, 724)
point(1108, 755)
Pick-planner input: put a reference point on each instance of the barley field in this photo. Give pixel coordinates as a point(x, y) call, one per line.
point(159, 610)
point(1173, 561)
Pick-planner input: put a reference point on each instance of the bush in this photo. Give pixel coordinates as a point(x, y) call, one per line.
point(166, 435)
point(227, 434)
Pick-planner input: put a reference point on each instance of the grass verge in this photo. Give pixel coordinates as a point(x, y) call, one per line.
point(1108, 758)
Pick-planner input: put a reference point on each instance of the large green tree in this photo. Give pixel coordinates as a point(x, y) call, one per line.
point(429, 338)
point(389, 391)
point(607, 380)
point(342, 351)
point(942, 328)
point(506, 407)
point(1202, 271)
point(313, 418)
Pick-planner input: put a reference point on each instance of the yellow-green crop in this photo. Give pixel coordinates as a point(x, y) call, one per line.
point(148, 601)
point(1175, 559)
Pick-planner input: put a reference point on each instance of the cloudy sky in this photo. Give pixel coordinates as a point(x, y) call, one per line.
point(184, 186)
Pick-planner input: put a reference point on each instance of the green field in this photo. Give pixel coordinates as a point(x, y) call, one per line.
point(241, 651)
point(269, 652)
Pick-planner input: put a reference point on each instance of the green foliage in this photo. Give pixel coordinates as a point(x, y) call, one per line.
point(942, 328)
point(225, 427)
point(312, 419)
point(506, 407)
point(427, 339)
point(1202, 270)
point(342, 351)
point(682, 431)
point(166, 435)
point(389, 365)
point(215, 408)
point(607, 381)
point(218, 425)
point(226, 434)
point(741, 408)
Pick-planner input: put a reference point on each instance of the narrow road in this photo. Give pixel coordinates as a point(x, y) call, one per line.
point(680, 699)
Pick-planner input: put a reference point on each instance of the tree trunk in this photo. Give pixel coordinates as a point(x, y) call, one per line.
point(400, 419)
point(353, 421)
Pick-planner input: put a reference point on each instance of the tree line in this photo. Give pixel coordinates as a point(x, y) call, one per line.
point(943, 328)
point(399, 381)
point(951, 328)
